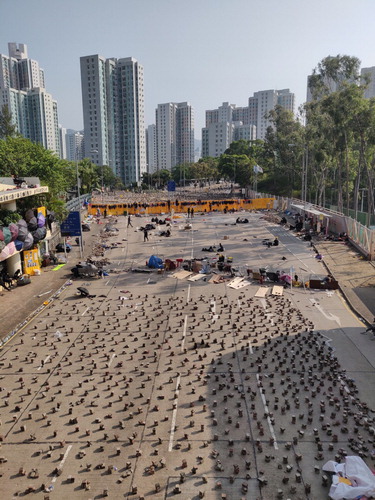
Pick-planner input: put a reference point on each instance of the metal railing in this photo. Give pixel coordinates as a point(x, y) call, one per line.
point(76, 203)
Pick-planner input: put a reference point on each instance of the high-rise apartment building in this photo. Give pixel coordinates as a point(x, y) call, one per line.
point(151, 147)
point(174, 134)
point(22, 90)
point(229, 123)
point(265, 101)
point(216, 138)
point(113, 115)
point(73, 144)
point(370, 74)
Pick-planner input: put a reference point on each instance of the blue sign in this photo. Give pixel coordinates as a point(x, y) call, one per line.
point(171, 186)
point(72, 225)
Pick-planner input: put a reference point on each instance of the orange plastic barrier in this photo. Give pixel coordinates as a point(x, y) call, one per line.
point(166, 207)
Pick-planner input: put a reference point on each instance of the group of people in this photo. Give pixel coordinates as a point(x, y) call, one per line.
point(269, 244)
point(212, 248)
point(6, 281)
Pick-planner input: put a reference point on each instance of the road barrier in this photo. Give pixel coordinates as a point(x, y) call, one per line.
point(177, 206)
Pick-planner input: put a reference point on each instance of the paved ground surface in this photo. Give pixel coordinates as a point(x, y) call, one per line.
point(167, 388)
point(355, 275)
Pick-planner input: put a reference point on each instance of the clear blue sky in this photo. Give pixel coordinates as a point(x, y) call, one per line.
point(201, 51)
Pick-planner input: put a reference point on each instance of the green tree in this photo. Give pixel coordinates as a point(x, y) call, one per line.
point(89, 175)
point(241, 147)
point(181, 173)
point(21, 157)
point(236, 169)
point(285, 142)
point(331, 73)
point(161, 177)
point(7, 127)
point(110, 180)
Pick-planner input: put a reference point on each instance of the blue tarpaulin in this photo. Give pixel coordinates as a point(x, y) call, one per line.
point(155, 262)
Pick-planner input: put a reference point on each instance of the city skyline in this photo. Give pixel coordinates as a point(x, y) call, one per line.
point(202, 52)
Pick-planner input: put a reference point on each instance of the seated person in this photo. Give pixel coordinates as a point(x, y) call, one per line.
point(5, 284)
point(18, 181)
point(17, 274)
point(220, 248)
point(276, 242)
point(283, 221)
point(6, 279)
point(209, 249)
point(221, 258)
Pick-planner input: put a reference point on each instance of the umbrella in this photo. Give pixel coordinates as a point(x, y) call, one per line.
point(84, 292)
point(39, 234)
point(7, 251)
point(29, 215)
point(4, 253)
point(22, 230)
point(29, 241)
point(7, 235)
point(18, 244)
point(286, 278)
point(13, 228)
point(41, 220)
point(32, 224)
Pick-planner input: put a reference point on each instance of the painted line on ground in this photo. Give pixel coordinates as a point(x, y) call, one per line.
point(272, 431)
point(61, 464)
point(174, 415)
point(85, 311)
point(44, 362)
point(110, 361)
point(184, 333)
point(329, 316)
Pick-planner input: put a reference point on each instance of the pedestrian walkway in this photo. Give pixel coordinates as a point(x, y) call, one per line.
point(18, 304)
point(352, 272)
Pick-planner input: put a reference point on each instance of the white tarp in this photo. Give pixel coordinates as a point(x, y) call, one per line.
point(354, 469)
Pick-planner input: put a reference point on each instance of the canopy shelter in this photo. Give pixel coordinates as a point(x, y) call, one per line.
point(313, 211)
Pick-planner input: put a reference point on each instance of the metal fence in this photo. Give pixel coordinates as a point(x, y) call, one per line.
point(76, 203)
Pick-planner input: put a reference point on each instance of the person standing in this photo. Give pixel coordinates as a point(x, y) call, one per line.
point(129, 222)
point(145, 235)
point(188, 212)
point(192, 213)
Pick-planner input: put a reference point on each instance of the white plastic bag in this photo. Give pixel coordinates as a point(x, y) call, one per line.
point(355, 469)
